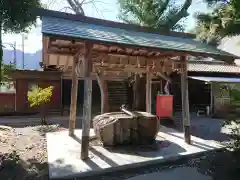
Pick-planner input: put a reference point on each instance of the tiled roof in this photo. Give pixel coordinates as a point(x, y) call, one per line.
point(213, 67)
point(82, 30)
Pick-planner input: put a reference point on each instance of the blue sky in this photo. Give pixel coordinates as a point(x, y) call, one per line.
point(106, 9)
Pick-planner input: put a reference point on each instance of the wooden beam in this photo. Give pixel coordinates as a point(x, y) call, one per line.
point(65, 45)
point(163, 76)
point(212, 98)
point(73, 108)
point(148, 93)
point(123, 46)
point(185, 100)
point(128, 68)
point(87, 64)
point(115, 49)
point(104, 92)
point(45, 56)
point(141, 53)
point(61, 52)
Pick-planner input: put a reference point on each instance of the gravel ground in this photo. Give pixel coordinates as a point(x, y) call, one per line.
point(30, 144)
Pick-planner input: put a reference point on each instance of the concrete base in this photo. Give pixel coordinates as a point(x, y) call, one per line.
point(185, 173)
point(64, 153)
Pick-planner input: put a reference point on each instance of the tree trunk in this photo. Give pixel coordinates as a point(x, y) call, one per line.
point(180, 14)
point(1, 54)
point(76, 6)
point(43, 114)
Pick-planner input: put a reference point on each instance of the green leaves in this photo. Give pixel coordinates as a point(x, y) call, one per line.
point(224, 20)
point(160, 14)
point(17, 16)
point(6, 69)
point(38, 96)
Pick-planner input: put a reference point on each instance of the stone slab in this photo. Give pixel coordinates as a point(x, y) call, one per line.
point(64, 154)
point(185, 173)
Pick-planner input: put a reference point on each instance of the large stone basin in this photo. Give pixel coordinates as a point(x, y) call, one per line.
point(119, 128)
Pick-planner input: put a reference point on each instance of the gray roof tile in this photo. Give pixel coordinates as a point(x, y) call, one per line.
point(213, 67)
point(78, 29)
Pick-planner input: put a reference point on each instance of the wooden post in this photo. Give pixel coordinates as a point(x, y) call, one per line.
point(136, 93)
point(73, 108)
point(87, 112)
point(185, 100)
point(148, 93)
point(211, 94)
point(104, 92)
point(61, 94)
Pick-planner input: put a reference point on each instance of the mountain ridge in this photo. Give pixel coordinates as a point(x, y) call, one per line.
point(31, 60)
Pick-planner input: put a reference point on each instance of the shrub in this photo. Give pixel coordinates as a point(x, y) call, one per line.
point(40, 97)
point(233, 125)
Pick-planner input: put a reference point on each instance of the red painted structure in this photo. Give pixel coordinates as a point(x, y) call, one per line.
point(7, 102)
point(24, 79)
point(164, 106)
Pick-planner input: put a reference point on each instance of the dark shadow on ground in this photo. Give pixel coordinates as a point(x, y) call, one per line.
point(194, 143)
point(43, 130)
point(14, 168)
point(203, 127)
point(153, 150)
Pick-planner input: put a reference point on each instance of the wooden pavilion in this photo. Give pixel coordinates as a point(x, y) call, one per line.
point(90, 47)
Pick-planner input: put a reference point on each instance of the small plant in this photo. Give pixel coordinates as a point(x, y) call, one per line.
point(40, 97)
point(9, 160)
point(233, 125)
point(235, 96)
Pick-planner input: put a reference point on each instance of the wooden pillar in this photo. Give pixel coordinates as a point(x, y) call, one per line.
point(73, 108)
point(211, 94)
point(185, 100)
point(137, 93)
point(148, 93)
point(87, 107)
point(61, 94)
point(104, 92)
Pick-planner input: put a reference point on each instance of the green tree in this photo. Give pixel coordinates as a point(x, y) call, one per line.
point(222, 21)
point(40, 97)
point(15, 17)
point(160, 14)
point(6, 69)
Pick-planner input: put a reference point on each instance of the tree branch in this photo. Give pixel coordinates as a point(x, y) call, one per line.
point(180, 14)
point(77, 9)
point(79, 6)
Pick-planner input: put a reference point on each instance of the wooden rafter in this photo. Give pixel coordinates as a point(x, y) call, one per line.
point(70, 47)
point(127, 48)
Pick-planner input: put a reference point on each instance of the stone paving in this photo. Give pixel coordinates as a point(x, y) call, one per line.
point(185, 173)
point(64, 154)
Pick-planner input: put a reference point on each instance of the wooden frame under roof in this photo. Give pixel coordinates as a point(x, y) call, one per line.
point(91, 46)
